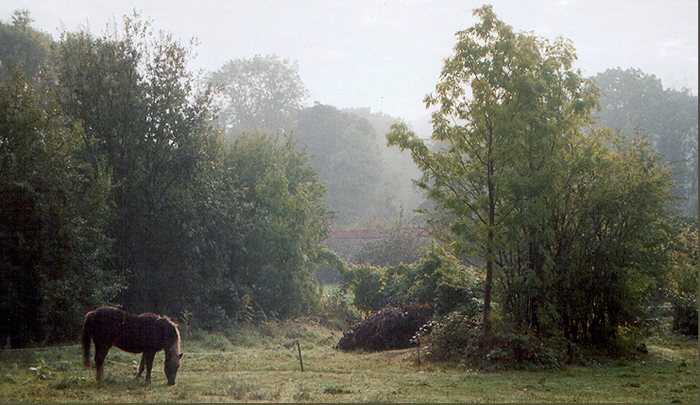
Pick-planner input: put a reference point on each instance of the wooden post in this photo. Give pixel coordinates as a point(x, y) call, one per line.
point(301, 362)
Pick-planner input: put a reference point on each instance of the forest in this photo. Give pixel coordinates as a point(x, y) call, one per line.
point(559, 211)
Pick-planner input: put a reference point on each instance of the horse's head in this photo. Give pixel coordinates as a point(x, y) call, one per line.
point(172, 364)
point(173, 356)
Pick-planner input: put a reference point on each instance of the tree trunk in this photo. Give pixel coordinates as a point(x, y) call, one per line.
point(487, 335)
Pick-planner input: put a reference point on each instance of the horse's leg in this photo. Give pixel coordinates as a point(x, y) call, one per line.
point(149, 364)
point(100, 354)
point(141, 366)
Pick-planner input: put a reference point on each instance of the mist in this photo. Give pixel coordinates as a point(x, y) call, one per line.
point(387, 55)
point(407, 194)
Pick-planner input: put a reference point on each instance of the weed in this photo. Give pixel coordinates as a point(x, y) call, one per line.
point(66, 383)
point(302, 395)
point(334, 390)
point(242, 390)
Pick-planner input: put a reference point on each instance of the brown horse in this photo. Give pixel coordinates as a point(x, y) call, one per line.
point(147, 333)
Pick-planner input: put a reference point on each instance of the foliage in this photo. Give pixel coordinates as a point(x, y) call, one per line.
point(136, 99)
point(682, 283)
point(449, 337)
point(54, 208)
point(23, 50)
point(129, 194)
point(438, 279)
point(367, 284)
point(571, 224)
point(342, 148)
point(286, 219)
point(336, 312)
point(262, 94)
point(636, 102)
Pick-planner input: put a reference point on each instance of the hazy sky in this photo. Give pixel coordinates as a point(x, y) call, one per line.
point(387, 55)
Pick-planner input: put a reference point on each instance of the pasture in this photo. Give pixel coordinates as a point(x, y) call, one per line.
point(261, 364)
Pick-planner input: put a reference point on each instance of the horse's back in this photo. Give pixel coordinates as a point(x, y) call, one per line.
point(141, 333)
point(107, 323)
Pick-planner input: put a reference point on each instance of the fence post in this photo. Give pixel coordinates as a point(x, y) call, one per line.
point(301, 362)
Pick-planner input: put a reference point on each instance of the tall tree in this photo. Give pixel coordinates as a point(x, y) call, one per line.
point(263, 94)
point(287, 218)
point(54, 252)
point(148, 125)
point(398, 192)
point(344, 151)
point(504, 100)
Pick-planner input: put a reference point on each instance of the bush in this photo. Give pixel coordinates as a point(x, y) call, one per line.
point(522, 351)
point(685, 318)
point(438, 280)
point(336, 312)
point(449, 337)
point(368, 283)
point(456, 337)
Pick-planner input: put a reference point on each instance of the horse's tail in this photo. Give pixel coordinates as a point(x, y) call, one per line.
point(86, 336)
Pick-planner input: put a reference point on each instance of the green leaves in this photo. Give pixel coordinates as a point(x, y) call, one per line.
point(54, 250)
point(285, 219)
point(263, 94)
point(569, 222)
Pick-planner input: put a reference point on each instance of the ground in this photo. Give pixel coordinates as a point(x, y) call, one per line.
point(261, 364)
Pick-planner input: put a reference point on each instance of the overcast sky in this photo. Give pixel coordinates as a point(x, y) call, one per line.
point(387, 55)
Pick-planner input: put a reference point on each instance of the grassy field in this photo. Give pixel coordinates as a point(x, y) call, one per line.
point(261, 365)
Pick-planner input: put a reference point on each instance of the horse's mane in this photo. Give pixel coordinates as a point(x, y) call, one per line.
point(167, 318)
point(175, 328)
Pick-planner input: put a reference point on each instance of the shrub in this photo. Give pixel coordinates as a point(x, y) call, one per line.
point(522, 351)
point(438, 280)
point(335, 311)
point(450, 337)
point(456, 337)
point(367, 283)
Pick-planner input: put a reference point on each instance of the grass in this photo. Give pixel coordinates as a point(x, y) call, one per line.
point(261, 365)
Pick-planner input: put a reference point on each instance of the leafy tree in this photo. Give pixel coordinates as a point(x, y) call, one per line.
point(263, 94)
point(54, 208)
point(570, 224)
point(343, 150)
point(398, 192)
point(284, 207)
point(609, 221)
point(502, 97)
point(22, 49)
point(148, 126)
point(636, 102)
point(121, 188)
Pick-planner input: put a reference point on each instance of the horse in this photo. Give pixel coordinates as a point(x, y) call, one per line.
point(147, 333)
